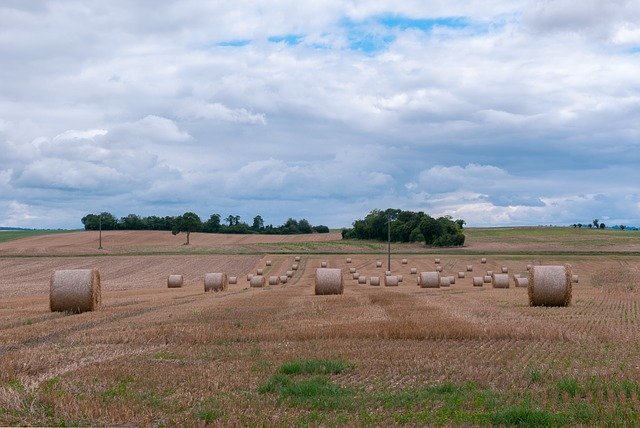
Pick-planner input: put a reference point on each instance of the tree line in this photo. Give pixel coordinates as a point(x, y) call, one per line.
point(408, 226)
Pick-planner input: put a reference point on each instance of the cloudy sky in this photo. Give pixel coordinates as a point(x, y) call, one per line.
point(499, 112)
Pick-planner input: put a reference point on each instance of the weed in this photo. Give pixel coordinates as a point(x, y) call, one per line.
point(535, 376)
point(209, 410)
point(524, 415)
point(314, 367)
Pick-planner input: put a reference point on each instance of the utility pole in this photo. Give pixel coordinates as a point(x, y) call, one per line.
point(389, 243)
point(100, 233)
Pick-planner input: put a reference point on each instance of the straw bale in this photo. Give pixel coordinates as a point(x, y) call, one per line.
point(550, 285)
point(257, 281)
point(374, 280)
point(478, 281)
point(328, 281)
point(500, 280)
point(430, 279)
point(362, 279)
point(444, 281)
point(391, 281)
point(76, 290)
point(414, 271)
point(274, 280)
point(461, 274)
point(216, 281)
point(175, 281)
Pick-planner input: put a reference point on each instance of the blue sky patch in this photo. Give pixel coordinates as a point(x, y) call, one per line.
point(288, 39)
point(236, 43)
point(404, 23)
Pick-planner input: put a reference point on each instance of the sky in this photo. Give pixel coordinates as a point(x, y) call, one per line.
point(498, 112)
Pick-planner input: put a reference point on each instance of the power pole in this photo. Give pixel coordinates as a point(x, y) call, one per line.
point(100, 232)
point(389, 243)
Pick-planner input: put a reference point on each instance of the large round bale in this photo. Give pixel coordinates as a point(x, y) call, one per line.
point(283, 279)
point(374, 280)
point(216, 281)
point(290, 273)
point(469, 268)
point(405, 261)
point(500, 280)
point(75, 290)
point(452, 279)
point(175, 281)
point(437, 261)
point(296, 259)
point(378, 264)
point(259, 271)
point(362, 279)
point(430, 279)
point(486, 279)
point(356, 275)
point(294, 266)
point(438, 268)
point(257, 281)
point(249, 276)
point(328, 281)
point(268, 263)
point(274, 280)
point(521, 281)
point(391, 280)
point(550, 285)
point(444, 281)
point(233, 280)
point(352, 270)
point(348, 259)
point(483, 260)
point(505, 269)
point(478, 281)
point(461, 274)
point(414, 271)
point(400, 278)
point(574, 279)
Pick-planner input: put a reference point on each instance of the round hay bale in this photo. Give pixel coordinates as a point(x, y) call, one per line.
point(374, 280)
point(430, 279)
point(259, 271)
point(414, 271)
point(283, 279)
point(444, 281)
point(500, 280)
point(516, 275)
point(175, 281)
point(216, 281)
point(405, 261)
point(323, 264)
point(478, 281)
point(290, 273)
point(521, 281)
point(294, 266)
point(348, 259)
point(274, 280)
point(352, 270)
point(378, 264)
point(356, 275)
point(483, 260)
point(268, 263)
point(233, 280)
point(438, 268)
point(328, 281)
point(529, 267)
point(486, 279)
point(469, 268)
point(296, 259)
point(461, 274)
point(362, 279)
point(249, 276)
point(574, 279)
point(505, 269)
point(452, 279)
point(75, 290)
point(391, 281)
point(550, 285)
point(437, 261)
point(257, 281)
point(400, 278)
point(490, 272)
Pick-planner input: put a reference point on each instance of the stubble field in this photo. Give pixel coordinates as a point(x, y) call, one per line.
point(403, 355)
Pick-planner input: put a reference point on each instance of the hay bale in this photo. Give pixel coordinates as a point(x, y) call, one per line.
point(437, 261)
point(483, 260)
point(452, 279)
point(478, 281)
point(438, 268)
point(430, 279)
point(374, 280)
point(356, 275)
point(490, 272)
point(529, 267)
point(328, 281)
point(75, 290)
point(259, 271)
point(216, 281)
point(405, 261)
point(444, 281)
point(352, 270)
point(500, 280)
point(257, 281)
point(294, 266)
point(521, 281)
point(486, 279)
point(233, 280)
point(323, 264)
point(505, 269)
point(362, 279)
point(461, 274)
point(378, 264)
point(418, 280)
point(469, 268)
point(387, 273)
point(348, 259)
point(175, 281)
point(391, 281)
point(516, 275)
point(414, 271)
point(249, 276)
point(283, 279)
point(296, 259)
point(290, 273)
point(574, 279)
point(268, 263)
point(400, 278)
point(550, 285)
point(274, 280)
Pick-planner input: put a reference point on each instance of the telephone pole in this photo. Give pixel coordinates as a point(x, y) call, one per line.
point(100, 232)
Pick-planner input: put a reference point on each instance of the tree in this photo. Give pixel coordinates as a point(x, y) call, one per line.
point(580, 225)
point(212, 225)
point(596, 223)
point(622, 227)
point(304, 226)
point(187, 222)
point(602, 226)
point(258, 223)
point(230, 219)
point(92, 221)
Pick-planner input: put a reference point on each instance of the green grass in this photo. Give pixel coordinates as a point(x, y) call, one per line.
point(314, 367)
point(12, 235)
point(548, 232)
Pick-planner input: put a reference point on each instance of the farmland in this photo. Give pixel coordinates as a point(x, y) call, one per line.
point(279, 355)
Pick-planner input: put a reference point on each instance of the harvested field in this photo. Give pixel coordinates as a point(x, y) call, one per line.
point(238, 357)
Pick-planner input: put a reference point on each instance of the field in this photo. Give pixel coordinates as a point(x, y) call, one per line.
point(460, 356)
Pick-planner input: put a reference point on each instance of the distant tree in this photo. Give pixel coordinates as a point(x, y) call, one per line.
point(590, 225)
point(602, 226)
point(580, 225)
point(187, 222)
point(92, 221)
point(461, 223)
point(622, 227)
point(321, 229)
point(574, 225)
point(212, 225)
point(596, 223)
point(236, 220)
point(131, 222)
point(230, 219)
point(258, 223)
point(304, 226)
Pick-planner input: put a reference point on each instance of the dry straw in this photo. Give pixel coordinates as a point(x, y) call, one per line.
point(296, 259)
point(374, 280)
point(323, 264)
point(430, 280)
point(175, 281)
point(233, 280)
point(400, 278)
point(352, 270)
point(438, 268)
point(260, 271)
point(550, 285)
point(75, 290)
point(414, 271)
point(505, 269)
point(289, 273)
point(294, 266)
point(469, 268)
point(257, 281)
point(348, 259)
point(356, 275)
point(405, 261)
point(362, 279)
point(268, 263)
point(391, 280)
point(521, 281)
point(483, 260)
point(445, 282)
point(461, 274)
point(284, 279)
point(486, 279)
point(574, 279)
point(500, 280)
point(378, 264)
point(329, 281)
point(216, 281)
point(478, 281)
point(274, 280)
